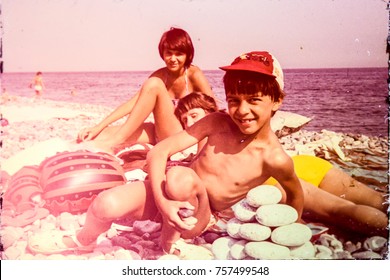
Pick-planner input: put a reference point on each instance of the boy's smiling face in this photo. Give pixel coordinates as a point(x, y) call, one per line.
point(251, 112)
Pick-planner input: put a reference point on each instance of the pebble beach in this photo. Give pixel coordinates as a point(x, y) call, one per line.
point(31, 122)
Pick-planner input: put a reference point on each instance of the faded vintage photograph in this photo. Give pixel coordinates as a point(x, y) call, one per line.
point(194, 130)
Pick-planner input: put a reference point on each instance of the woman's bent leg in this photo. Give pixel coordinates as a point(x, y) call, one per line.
point(154, 98)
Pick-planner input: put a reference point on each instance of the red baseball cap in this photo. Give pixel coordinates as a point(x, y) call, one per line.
point(260, 62)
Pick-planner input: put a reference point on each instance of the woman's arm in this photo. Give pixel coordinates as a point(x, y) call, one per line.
point(199, 81)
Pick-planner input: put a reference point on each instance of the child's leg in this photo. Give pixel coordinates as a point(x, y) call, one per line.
point(134, 200)
point(342, 185)
point(155, 98)
point(183, 184)
point(328, 208)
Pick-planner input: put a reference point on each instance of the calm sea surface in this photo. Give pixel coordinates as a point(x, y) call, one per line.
point(342, 100)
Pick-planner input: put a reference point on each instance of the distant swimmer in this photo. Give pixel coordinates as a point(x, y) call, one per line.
point(3, 121)
point(5, 97)
point(38, 84)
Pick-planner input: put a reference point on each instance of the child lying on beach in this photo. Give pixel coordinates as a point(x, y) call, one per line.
point(241, 153)
point(158, 95)
point(310, 169)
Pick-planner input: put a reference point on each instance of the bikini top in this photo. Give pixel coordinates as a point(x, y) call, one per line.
point(176, 100)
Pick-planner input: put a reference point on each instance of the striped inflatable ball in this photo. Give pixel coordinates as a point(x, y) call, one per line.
point(71, 180)
point(23, 191)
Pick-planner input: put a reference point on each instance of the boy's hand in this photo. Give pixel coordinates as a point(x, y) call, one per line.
point(173, 211)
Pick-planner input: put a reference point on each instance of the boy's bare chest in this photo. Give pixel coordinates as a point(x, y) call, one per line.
point(234, 166)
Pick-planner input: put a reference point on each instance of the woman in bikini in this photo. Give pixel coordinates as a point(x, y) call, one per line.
point(157, 95)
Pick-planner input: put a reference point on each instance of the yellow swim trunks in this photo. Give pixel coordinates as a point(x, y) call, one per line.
point(311, 169)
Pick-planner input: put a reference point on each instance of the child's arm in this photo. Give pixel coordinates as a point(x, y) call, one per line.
point(283, 171)
point(157, 160)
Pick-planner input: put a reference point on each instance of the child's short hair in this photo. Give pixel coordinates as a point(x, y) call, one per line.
point(255, 72)
point(195, 100)
point(246, 82)
point(177, 39)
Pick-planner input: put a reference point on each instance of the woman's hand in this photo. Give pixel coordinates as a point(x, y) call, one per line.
point(88, 133)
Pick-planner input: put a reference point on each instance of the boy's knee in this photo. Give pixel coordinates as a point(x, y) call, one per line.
point(180, 183)
point(104, 205)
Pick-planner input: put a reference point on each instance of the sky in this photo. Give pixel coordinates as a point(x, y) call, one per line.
point(123, 35)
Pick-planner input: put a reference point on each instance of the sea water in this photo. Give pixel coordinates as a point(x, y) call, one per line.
point(343, 100)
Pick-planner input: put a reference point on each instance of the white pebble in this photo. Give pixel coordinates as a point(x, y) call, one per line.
point(263, 195)
point(244, 212)
point(291, 235)
point(264, 250)
point(303, 252)
point(254, 232)
point(233, 227)
point(221, 247)
point(169, 257)
point(237, 251)
point(276, 215)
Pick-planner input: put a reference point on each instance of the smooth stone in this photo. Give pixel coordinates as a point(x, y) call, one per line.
point(264, 250)
point(237, 251)
point(331, 242)
point(12, 253)
point(375, 243)
point(142, 227)
point(9, 236)
point(169, 257)
point(303, 252)
point(323, 252)
point(291, 235)
point(221, 247)
point(244, 212)
point(233, 227)
point(112, 232)
point(254, 232)
point(122, 254)
point(367, 255)
point(210, 237)
point(276, 215)
point(263, 195)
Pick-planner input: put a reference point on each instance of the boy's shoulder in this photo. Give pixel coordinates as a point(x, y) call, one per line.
point(219, 118)
point(213, 122)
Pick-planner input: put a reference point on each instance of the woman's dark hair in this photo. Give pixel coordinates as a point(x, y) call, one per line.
point(177, 39)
